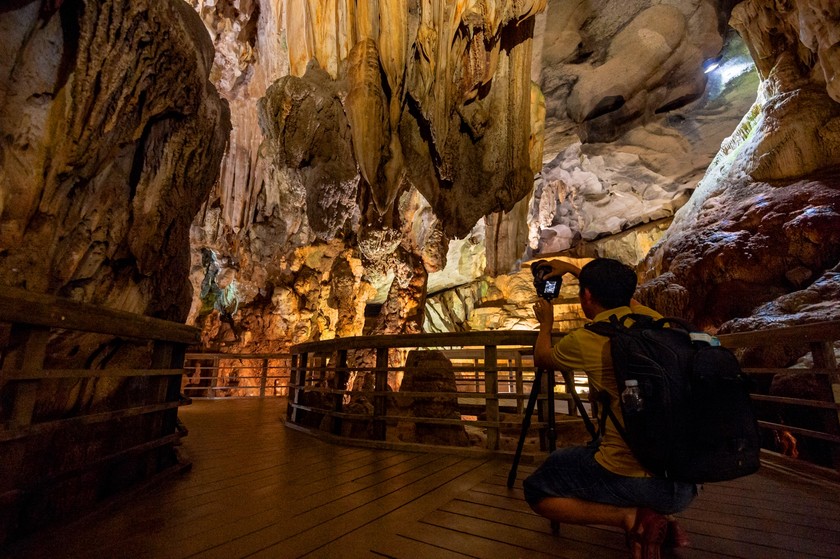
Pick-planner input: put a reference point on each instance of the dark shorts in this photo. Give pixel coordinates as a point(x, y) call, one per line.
point(574, 472)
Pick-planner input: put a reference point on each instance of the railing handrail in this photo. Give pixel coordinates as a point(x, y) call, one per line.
point(132, 424)
point(220, 355)
point(38, 309)
point(473, 338)
point(805, 333)
point(209, 373)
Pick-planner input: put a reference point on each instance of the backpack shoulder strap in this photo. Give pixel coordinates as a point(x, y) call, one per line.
point(608, 329)
point(617, 325)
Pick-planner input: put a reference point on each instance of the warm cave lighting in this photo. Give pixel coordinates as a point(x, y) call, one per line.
point(711, 65)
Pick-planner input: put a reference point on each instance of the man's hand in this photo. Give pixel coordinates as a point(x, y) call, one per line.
point(544, 313)
point(558, 268)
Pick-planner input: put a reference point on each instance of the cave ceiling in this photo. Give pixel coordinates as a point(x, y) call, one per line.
point(345, 162)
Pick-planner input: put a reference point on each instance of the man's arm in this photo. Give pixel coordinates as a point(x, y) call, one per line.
point(544, 313)
point(559, 267)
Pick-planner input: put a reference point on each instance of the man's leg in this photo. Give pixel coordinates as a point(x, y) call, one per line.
point(571, 487)
point(645, 529)
point(577, 511)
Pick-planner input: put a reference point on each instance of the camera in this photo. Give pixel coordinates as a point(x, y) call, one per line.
point(548, 289)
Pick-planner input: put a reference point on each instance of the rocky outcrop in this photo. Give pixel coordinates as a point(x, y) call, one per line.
point(764, 222)
point(111, 137)
point(428, 371)
point(632, 121)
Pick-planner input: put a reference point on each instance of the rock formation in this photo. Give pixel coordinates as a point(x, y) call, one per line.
point(111, 138)
point(377, 145)
point(764, 223)
point(427, 371)
point(389, 109)
point(632, 121)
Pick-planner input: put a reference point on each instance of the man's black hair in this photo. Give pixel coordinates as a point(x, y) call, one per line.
point(611, 283)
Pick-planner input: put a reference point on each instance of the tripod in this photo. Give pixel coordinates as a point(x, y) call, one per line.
point(551, 431)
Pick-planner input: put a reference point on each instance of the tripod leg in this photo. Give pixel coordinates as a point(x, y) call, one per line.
point(526, 423)
point(552, 433)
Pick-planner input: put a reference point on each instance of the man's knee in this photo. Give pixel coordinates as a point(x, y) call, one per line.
point(543, 506)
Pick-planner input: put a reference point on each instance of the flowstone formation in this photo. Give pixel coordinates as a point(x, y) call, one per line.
point(761, 235)
point(111, 137)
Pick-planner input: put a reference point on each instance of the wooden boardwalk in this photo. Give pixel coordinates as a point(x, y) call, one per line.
point(258, 489)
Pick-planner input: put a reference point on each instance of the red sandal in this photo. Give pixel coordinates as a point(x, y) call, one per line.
point(676, 536)
point(649, 532)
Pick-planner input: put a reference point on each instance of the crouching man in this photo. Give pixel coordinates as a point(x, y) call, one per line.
point(602, 484)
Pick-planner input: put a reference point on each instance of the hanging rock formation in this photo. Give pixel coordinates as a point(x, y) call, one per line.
point(389, 109)
point(439, 95)
point(623, 117)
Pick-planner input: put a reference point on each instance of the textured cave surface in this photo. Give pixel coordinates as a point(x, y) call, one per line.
point(334, 175)
point(443, 135)
point(111, 140)
point(111, 137)
point(757, 242)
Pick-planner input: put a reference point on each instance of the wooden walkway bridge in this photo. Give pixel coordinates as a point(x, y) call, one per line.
point(259, 489)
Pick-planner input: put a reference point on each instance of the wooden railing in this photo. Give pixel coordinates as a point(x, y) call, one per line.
point(806, 419)
point(69, 437)
point(494, 371)
point(236, 375)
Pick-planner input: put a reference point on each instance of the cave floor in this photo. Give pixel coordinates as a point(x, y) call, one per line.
point(257, 489)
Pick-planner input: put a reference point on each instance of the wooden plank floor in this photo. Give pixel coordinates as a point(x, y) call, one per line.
point(258, 489)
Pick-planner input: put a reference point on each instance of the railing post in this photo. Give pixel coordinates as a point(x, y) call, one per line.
point(263, 377)
point(476, 375)
point(292, 376)
point(31, 342)
point(296, 386)
point(520, 385)
point(284, 388)
point(340, 384)
point(491, 387)
point(380, 387)
point(214, 378)
point(169, 355)
point(824, 358)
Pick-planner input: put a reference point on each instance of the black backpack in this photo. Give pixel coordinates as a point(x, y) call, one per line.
point(697, 423)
